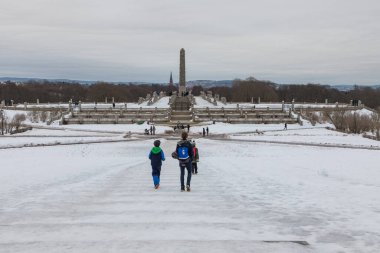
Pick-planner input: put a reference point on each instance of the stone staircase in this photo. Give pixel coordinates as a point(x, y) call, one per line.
point(181, 111)
point(184, 117)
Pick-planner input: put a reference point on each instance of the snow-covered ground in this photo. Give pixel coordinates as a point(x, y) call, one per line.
point(313, 135)
point(34, 141)
point(122, 128)
point(226, 128)
point(56, 134)
point(161, 103)
point(202, 103)
point(62, 132)
point(100, 197)
point(256, 132)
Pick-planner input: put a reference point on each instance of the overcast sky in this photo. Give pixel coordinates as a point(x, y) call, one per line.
point(286, 41)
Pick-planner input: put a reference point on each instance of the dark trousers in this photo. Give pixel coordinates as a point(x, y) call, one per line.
point(156, 171)
point(195, 168)
point(186, 166)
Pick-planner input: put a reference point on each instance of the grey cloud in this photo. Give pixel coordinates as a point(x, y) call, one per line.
point(284, 41)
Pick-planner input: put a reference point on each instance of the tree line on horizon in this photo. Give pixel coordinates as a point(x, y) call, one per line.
point(240, 91)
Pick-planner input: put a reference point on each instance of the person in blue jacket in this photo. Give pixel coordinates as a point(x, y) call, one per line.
point(156, 157)
point(184, 152)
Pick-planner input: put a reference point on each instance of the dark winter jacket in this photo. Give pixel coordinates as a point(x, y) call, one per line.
point(156, 156)
point(186, 143)
point(196, 155)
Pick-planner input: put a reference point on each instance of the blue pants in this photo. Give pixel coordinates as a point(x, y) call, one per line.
point(156, 172)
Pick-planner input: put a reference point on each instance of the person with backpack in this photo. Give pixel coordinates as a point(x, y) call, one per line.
point(156, 157)
point(184, 152)
point(196, 159)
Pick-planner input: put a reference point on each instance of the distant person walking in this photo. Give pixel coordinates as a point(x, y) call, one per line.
point(188, 128)
point(184, 151)
point(113, 105)
point(285, 126)
point(207, 131)
point(204, 132)
point(196, 159)
point(154, 130)
point(151, 130)
point(156, 157)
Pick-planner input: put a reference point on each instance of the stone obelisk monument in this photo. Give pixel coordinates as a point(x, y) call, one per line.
point(182, 73)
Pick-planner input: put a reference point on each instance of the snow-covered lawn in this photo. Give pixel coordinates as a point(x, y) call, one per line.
point(34, 141)
point(56, 133)
point(60, 132)
point(161, 103)
point(313, 135)
point(54, 136)
point(100, 198)
point(122, 128)
point(226, 128)
point(202, 103)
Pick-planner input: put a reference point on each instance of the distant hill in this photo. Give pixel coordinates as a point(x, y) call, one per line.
point(347, 87)
point(204, 83)
point(210, 83)
point(22, 80)
point(26, 79)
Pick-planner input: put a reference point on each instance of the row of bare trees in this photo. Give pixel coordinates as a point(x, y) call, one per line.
point(353, 122)
point(246, 90)
point(60, 91)
point(241, 91)
point(12, 124)
point(348, 121)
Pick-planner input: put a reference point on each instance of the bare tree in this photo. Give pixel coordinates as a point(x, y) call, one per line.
point(357, 123)
point(336, 117)
point(17, 120)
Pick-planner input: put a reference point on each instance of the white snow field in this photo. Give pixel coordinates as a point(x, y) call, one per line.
point(311, 136)
point(161, 103)
point(202, 103)
point(100, 198)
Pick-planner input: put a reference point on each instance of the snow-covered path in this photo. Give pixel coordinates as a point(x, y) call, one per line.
point(100, 198)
